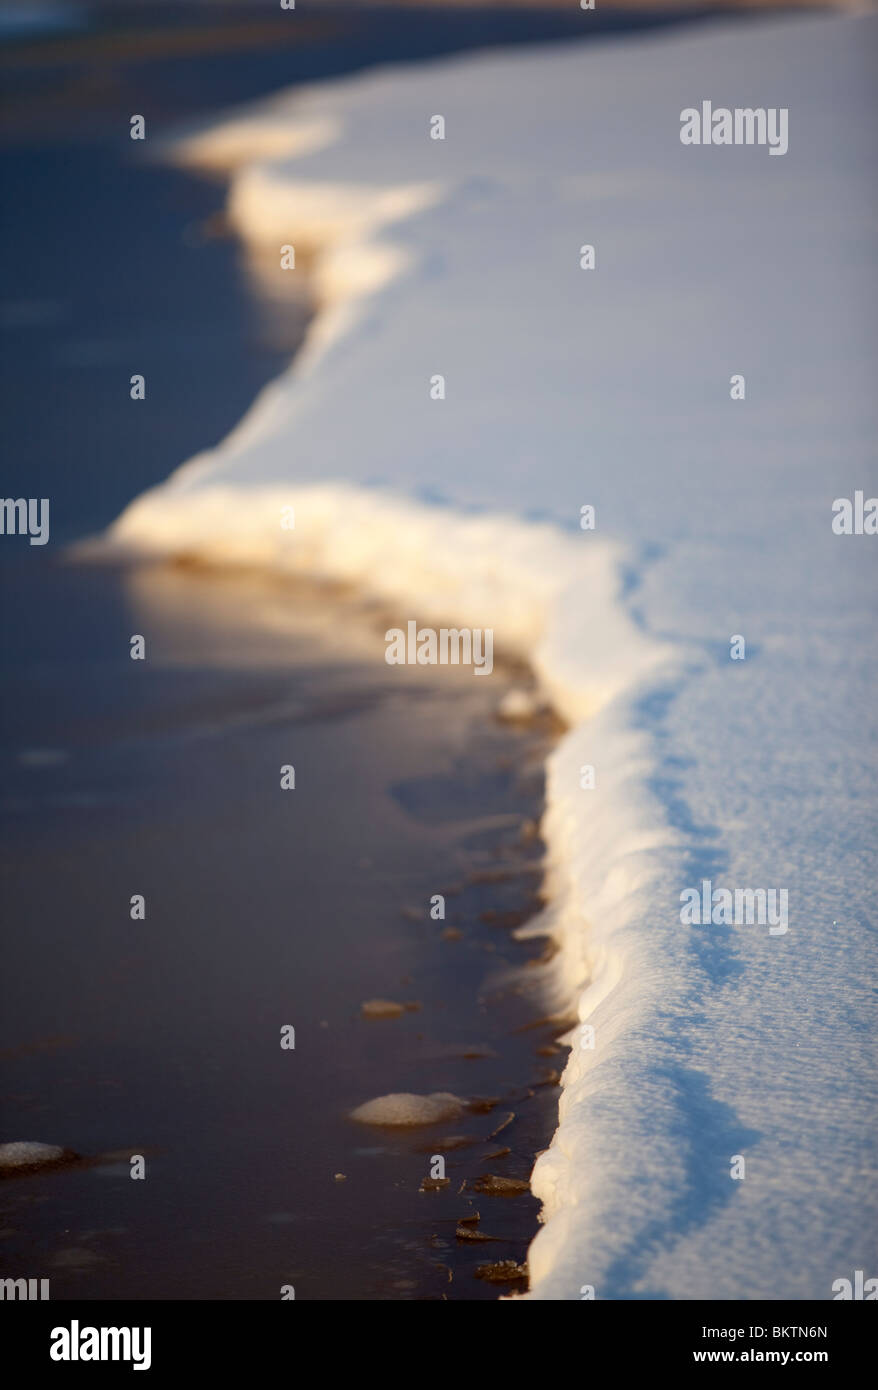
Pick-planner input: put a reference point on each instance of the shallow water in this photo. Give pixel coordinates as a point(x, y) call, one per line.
point(264, 908)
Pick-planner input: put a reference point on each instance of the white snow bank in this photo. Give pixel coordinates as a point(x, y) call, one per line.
point(611, 387)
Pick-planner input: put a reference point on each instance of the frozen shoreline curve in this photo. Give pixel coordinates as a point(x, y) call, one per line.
point(610, 388)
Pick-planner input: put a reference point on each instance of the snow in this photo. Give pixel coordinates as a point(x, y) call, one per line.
point(611, 388)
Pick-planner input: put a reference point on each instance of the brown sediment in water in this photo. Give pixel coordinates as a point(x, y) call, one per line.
point(516, 869)
point(520, 872)
point(511, 867)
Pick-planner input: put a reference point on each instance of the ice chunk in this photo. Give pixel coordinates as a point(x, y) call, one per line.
point(27, 1153)
point(403, 1108)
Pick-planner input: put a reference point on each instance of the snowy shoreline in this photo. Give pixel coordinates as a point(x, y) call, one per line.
point(608, 388)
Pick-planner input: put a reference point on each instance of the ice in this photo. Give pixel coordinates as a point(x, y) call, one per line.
point(28, 1153)
point(403, 1108)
